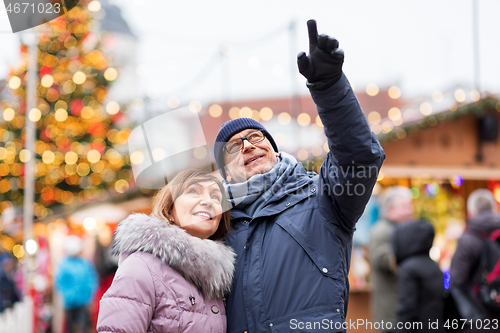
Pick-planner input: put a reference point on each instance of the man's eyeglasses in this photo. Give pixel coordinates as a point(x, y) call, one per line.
point(235, 146)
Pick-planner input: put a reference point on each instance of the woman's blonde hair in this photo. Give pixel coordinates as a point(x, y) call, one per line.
point(163, 202)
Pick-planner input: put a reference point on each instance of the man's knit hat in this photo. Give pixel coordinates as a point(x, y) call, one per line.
point(230, 128)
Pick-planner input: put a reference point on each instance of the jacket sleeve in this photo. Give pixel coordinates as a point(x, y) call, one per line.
point(380, 251)
point(128, 304)
point(465, 261)
point(408, 291)
point(351, 168)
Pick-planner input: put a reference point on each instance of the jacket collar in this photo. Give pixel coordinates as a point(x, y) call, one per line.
point(208, 264)
point(298, 186)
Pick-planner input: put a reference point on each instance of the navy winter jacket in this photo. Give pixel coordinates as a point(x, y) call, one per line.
point(293, 256)
point(420, 280)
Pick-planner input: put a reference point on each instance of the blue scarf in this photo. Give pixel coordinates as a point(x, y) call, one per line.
point(253, 195)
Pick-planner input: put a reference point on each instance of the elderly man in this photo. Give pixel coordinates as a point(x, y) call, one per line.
point(396, 207)
point(465, 266)
point(291, 229)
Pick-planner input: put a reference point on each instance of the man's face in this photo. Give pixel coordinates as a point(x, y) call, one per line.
point(401, 210)
point(251, 160)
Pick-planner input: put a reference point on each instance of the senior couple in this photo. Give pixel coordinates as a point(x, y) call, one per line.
point(284, 260)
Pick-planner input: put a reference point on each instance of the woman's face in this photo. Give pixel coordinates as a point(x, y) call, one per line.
point(199, 209)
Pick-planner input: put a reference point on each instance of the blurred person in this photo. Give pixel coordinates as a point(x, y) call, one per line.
point(420, 280)
point(396, 207)
point(106, 265)
point(173, 269)
point(9, 292)
point(76, 280)
point(482, 221)
point(292, 229)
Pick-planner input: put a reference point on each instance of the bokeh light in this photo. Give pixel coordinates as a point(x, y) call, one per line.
point(79, 77)
point(458, 180)
point(303, 119)
point(9, 114)
point(415, 193)
point(460, 95)
point(394, 92)
point(425, 108)
point(215, 110)
point(432, 188)
point(112, 108)
point(284, 118)
point(89, 223)
point(94, 6)
point(266, 113)
point(14, 82)
point(61, 115)
point(31, 246)
point(195, 106)
point(35, 115)
point(47, 81)
point(111, 74)
point(372, 89)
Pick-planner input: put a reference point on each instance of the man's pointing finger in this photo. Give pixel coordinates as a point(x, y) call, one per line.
point(313, 34)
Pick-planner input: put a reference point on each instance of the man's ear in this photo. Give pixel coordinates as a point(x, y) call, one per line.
point(228, 177)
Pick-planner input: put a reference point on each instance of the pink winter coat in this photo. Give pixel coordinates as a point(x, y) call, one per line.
point(167, 280)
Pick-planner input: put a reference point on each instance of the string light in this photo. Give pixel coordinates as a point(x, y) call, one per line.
point(47, 81)
point(460, 95)
point(394, 114)
point(9, 114)
point(173, 102)
point(426, 108)
point(372, 90)
point(234, 112)
point(215, 110)
point(79, 77)
point(111, 74)
point(284, 118)
point(195, 106)
point(303, 119)
point(245, 112)
point(266, 113)
point(394, 92)
point(35, 115)
point(374, 117)
point(112, 108)
point(14, 82)
point(136, 158)
point(475, 95)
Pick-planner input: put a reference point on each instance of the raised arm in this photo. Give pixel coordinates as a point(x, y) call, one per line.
point(350, 170)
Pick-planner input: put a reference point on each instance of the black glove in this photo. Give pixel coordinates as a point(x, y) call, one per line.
point(323, 67)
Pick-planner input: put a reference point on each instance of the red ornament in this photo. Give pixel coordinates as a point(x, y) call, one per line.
point(76, 107)
point(44, 135)
point(95, 128)
point(116, 117)
point(45, 70)
point(22, 107)
point(99, 146)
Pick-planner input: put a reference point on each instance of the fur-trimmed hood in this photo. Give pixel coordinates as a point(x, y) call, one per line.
point(208, 264)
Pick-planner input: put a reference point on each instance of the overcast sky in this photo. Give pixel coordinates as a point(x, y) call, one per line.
point(421, 46)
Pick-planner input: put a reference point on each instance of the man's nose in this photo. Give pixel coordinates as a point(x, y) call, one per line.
point(246, 145)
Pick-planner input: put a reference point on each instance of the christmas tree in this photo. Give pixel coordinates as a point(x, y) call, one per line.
point(77, 151)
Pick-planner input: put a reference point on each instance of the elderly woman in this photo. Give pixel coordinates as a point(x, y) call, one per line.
point(173, 270)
